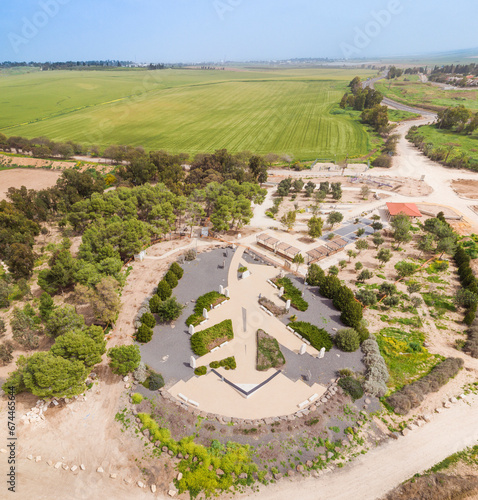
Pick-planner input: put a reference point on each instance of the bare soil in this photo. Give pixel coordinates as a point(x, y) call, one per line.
point(30, 178)
point(466, 188)
point(26, 161)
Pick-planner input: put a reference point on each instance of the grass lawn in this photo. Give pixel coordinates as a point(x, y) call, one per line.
point(404, 361)
point(281, 111)
point(460, 142)
point(426, 94)
point(397, 115)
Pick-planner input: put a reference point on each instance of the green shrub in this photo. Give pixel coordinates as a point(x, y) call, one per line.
point(136, 398)
point(227, 363)
point(202, 342)
point(347, 340)
point(200, 370)
point(164, 290)
point(169, 310)
point(144, 334)
point(352, 314)
point(154, 303)
point(171, 279)
point(156, 381)
point(204, 302)
point(329, 286)
point(177, 270)
point(315, 275)
point(148, 320)
point(292, 293)
point(242, 269)
point(352, 387)
point(318, 337)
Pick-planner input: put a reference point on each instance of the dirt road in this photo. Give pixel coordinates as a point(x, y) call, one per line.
point(376, 473)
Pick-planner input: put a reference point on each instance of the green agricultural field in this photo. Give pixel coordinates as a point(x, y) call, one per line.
point(281, 111)
point(426, 94)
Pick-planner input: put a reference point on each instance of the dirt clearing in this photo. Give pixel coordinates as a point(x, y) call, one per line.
point(30, 178)
point(466, 188)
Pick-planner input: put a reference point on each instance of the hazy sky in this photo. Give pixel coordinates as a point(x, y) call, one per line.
point(213, 30)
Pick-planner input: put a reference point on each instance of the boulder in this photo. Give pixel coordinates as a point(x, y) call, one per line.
point(30, 457)
point(140, 484)
point(82, 467)
point(219, 472)
point(180, 476)
point(243, 475)
point(100, 470)
point(172, 493)
point(113, 475)
point(38, 459)
point(66, 467)
point(277, 476)
point(153, 488)
point(300, 468)
point(57, 465)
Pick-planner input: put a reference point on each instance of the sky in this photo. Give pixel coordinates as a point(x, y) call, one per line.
point(234, 30)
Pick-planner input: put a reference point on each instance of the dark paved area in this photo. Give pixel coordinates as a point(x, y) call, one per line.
point(322, 313)
point(348, 232)
point(202, 275)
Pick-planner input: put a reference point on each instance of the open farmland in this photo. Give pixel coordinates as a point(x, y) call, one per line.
point(427, 95)
point(281, 111)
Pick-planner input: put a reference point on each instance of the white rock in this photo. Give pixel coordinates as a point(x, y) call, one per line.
point(82, 467)
point(30, 457)
point(113, 475)
point(38, 459)
point(128, 480)
point(453, 400)
point(172, 493)
point(153, 488)
point(66, 467)
point(57, 465)
point(140, 484)
point(180, 476)
point(100, 470)
point(49, 463)
point(3, 450)
point(125, 379)
point(73, 468)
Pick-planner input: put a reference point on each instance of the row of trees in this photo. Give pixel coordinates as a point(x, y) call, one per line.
point(457, 118)
point(361, 97)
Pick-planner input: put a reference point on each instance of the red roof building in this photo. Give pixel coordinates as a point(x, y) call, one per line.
point(409, 209)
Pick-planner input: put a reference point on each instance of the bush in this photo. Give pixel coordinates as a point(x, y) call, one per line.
point(141, 373)
point(347, 340)
point(204, 302)
point(227, 363)
point(318, 337)
point(190, 255)
point(171, 279)
point(136, 398)
point(154, 303)
point(346, 372)
point(366, 297)
point(202, 342)
point(242, 269)
point(292, 293)
point(169, 310)
point(413, 394)
point(364, 275)
point(376, 374)
point(144, 334)
point(177, 270)
point(315, 275)
point(352, 314)
point(124, 359)
point(156, 381)
point(164, 290)
point(343, 297)
point(405, 268)
point(352, 387)
point(471, 345)
point(148, 319)
point(329, 286)
point(200, 371)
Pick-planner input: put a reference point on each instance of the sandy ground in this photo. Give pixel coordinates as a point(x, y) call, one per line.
point(466, 188)
point(30, 178)
point(26, 161)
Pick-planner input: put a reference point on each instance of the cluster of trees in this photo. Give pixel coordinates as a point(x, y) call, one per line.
point(41, 147)
point(468, 295)
point(62, 370)
point(394, 72)
point(460, 72)
point(342, 296)
point(412, 395)
point(360, 98)
point(457, 118)
point(446, 155)
point(416, 70)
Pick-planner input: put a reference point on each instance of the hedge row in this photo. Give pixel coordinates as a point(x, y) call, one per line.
point(376, 374)
point(344, 300)
point(227, 363)
point(204, 341)
point(472, 344)
point(413, 394)
point(318, 337)
point(204, 302)
point(467, 280)
point(292, 293)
